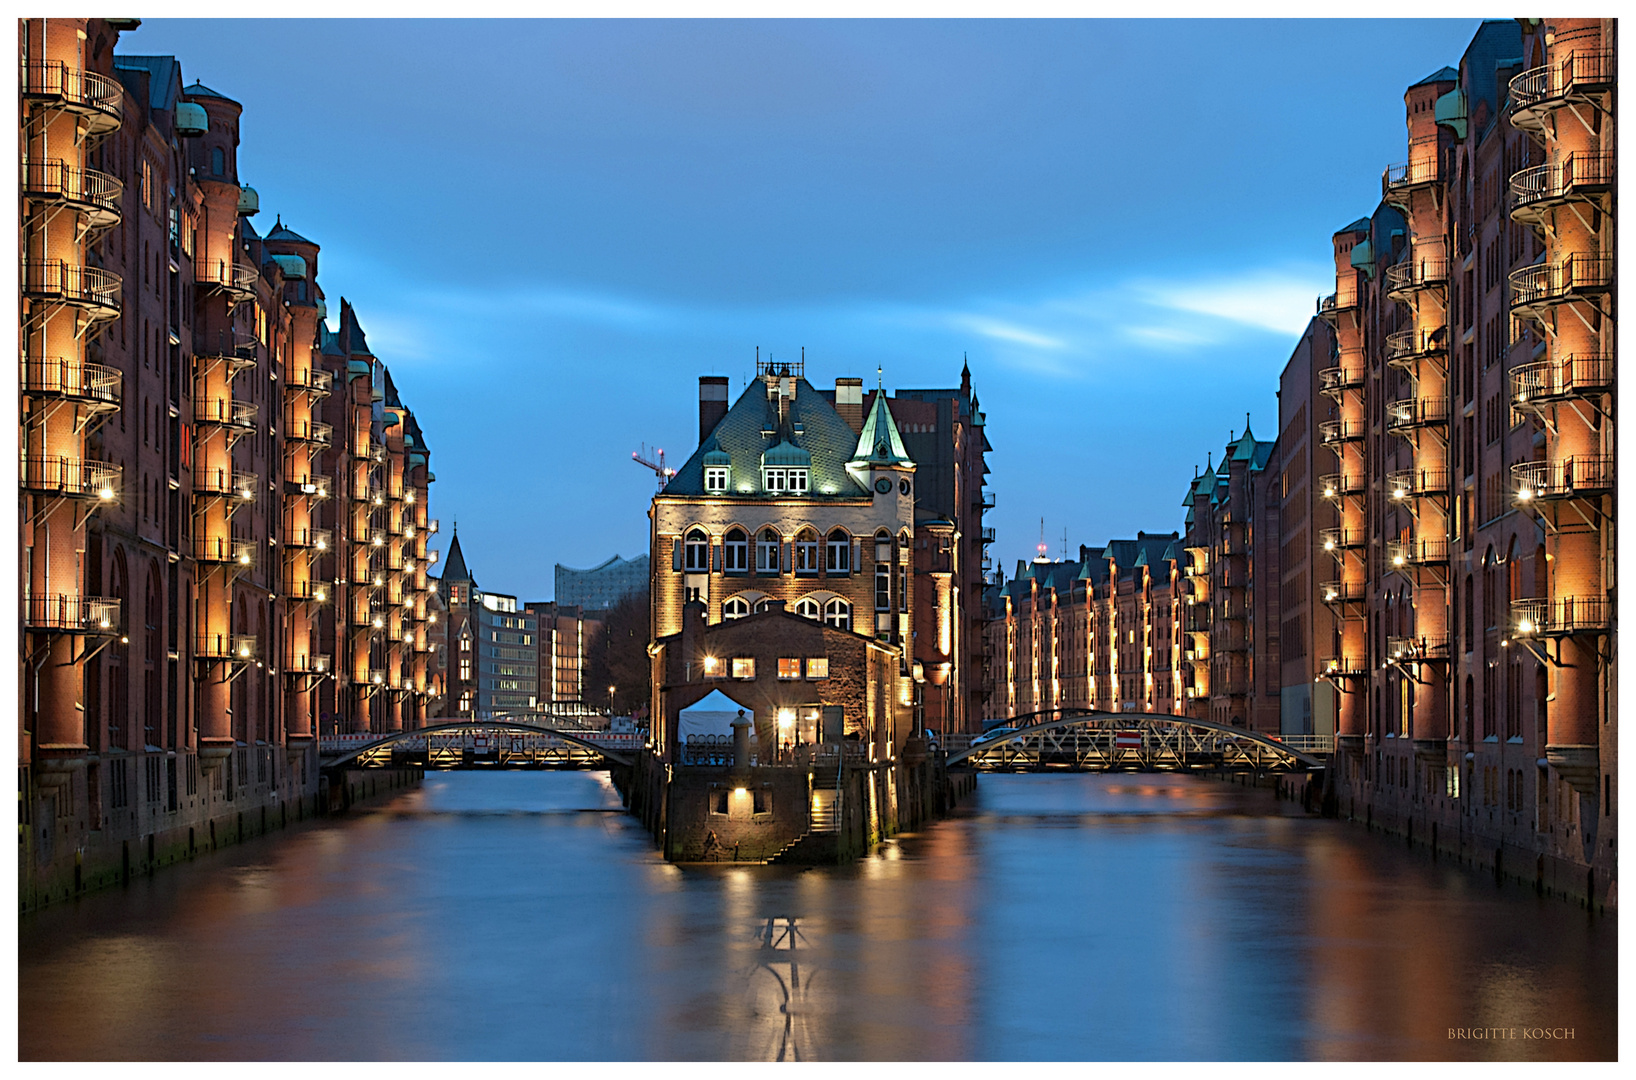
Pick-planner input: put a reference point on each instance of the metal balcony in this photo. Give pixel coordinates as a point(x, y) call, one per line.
point(315, 381)
point(96, 98)
point(1552, 381)
point(1335, 485)
point(1335, 432)
point(1571, 478)
point(238, 282)
point(1536, 289)
point(984, 501)
point(1413, 413)
point(1400, 179)
point(61, 613)
point(1409, 277)
point(312, 590)
point(93, 290)
point(1342, 592)
point(1537, 91)
point(240, 647)
point(71, 477)
point(308, 431)
point(230, 483)
point(1416, 483)
point(986, 534)
point(317, 539)
point(1406, 348)
point(238, 349)
point(1416, 552)
point(94, 195)
point(1343, 667)
point(225, 412)
point(1423, 647)
point(72, 380)
point(226, 552)
point(1544, 187)
point(1561, 616)
point(1338, 541)
point(1336, 380)
point(312, 487)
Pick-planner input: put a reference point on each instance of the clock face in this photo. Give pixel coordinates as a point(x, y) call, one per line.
point(903, 486)
point(883, 485)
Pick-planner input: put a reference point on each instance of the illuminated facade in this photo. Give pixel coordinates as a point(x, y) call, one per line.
point(177, 567)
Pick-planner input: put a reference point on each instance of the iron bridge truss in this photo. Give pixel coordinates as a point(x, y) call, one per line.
point(507, 745)
point(1085, 741)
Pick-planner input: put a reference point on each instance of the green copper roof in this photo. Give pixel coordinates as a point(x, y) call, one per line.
point(786, 454)
point(879, 443)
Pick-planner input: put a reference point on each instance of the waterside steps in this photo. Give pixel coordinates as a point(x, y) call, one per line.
point(818, 842)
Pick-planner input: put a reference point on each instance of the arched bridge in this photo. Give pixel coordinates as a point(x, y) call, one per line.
point(511, 742)
point(1083, 739)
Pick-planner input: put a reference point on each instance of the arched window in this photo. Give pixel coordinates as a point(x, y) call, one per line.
point(838, 553)
point(808, 608)
point(1513, 575)
point(883, 546)
point(806, 552)
point(736, 607)
point(1471, 605)
point(735, 552)
point(838, 613)
point(152, 703)
point(697, 552)
point(218, 162)
point(767, 544)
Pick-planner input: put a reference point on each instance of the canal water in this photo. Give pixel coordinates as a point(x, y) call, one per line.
point(517, 915)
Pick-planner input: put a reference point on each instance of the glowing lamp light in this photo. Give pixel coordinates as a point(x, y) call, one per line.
point(1399, 493)
point(377, 680)
point(1329, 545)
point(786, 717)
point(244, 559)
point(376, 622)
point(106, 494)
point(1525, 494)
point(432, 617)
point(1525, 627)
point(377, 541)
point(322, 544)
point(319, 595)
point(1397, 560)
point(1330, 595)
point(739, 792)
point(244, 651)
point(377, 580)
point(124, 641)
point(1329, 492)
point(709, 664)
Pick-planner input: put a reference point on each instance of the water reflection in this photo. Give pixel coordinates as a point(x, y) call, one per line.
point(1076, 917)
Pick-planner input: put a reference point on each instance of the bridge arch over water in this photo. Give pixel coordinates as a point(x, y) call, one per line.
point(581, 739)
point(1089, 739)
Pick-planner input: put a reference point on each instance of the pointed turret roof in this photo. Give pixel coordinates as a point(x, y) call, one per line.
point(879, 443)
point(285, 233)
point(455, 568)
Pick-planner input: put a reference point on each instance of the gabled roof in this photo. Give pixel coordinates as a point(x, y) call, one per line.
point(1360, 225)
point(751, 428)
point(285, 233)
point(1442, 74)
point(879, 442)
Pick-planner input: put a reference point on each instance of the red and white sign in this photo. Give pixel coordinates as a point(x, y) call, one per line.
point(1127, 740)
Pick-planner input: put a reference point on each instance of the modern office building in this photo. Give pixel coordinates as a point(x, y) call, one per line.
point(177, 567)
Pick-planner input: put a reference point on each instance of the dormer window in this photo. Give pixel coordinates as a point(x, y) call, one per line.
point(782, 480)
point(717, 478)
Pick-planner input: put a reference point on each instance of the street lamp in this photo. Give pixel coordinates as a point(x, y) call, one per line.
point(610, 701)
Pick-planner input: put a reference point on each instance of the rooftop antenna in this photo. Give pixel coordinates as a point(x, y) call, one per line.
point(1065, 544)
point(1041, 556)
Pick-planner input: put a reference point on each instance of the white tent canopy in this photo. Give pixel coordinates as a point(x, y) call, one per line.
point(712, 714)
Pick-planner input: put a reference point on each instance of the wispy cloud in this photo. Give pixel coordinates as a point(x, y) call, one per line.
point(1004, 331)
point(1278, 302)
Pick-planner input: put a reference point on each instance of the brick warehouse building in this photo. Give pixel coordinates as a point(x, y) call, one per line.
point(178, 502)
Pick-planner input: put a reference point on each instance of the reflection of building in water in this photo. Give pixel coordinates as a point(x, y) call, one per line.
point(779, 986)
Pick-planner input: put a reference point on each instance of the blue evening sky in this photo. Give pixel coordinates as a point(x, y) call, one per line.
point(550, 229)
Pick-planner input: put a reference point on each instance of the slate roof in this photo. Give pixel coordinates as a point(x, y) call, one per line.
point(199, 89)
point(455, 568)
point(285, 233)
point(164, 73)
point(1443, 74)
point(812, 425)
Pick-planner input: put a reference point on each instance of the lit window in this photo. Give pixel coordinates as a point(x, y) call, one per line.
point(697, 552)
point(789, 667)
point(767, 552)
point(744, 667)
point(806, 552)
point(838, 613)
point(808, 608)
point(817, 667)
point(735, 551)
point(736, 607)
point(838, 553)
point(716, 479)
point(784, 481)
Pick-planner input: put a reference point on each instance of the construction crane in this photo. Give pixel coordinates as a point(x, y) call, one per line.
point(659, 471)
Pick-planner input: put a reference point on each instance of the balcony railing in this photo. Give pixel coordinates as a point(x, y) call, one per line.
point(1535, 481)
point(1342, 592)
point(1537, 90)
point(1342, 431)
point(317, 539)
point(225, 412)
point(94, 290)
point(71, 477)
point(1334, 485)
point(1399, 178)
point(1413, 483)
point(1336, 540)
point(96, 97)
point(232, 344)
point(240, 647)
point(311, 431)
point(1559, 380)
point(1411, 413)
point(1422, 647)
point(313, 381)
point(227, 276)
point(316, 591)
point(241, 553)
point(94, 194)
point(1416, 552)
point(225, 482)
point(313, 487)
point(1561, 615)
point(59, 376)
point(1537, 189)
point(985, 500)
point(1415, 274)
point(1406, 347)
point(1334, 380)
point(66, 614)
point(1575, 278)
point(1341, 667)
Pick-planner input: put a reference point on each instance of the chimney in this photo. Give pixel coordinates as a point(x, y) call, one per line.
point(849, 403)
point(712, 403)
